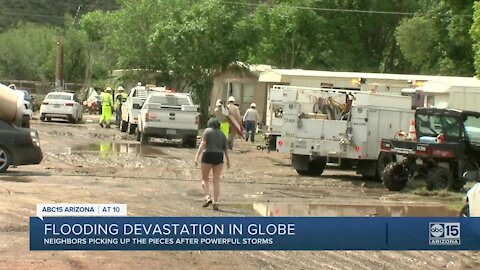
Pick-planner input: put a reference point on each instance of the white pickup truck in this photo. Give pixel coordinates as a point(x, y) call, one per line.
point(170, 116)
point(131, 107)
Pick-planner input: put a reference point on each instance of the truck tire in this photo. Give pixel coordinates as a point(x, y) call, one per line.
point(189, 142)
point(457, 184)
point(42, 118)
point(123, 126)
point(137, 134)
point(5, 159)
point(383, 160)
point(395, 176)
point(465, 212)
point(315, 167)
point(72, 119)
point(144, 138)
point(131, 128)
point(439, 178)
point(26, 122)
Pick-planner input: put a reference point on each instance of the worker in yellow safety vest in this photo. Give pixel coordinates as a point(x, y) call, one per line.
point(120, 98)
point(107, 107)
point(221, 113)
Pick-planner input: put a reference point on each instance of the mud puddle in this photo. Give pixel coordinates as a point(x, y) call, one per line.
point(327, 210)
point(107, 149)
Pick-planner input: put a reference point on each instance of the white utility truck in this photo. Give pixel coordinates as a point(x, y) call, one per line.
point(131, 107)
point(274, 117)
point(168, 115)
point(340, 127)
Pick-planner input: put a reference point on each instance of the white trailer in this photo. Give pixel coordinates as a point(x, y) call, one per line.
point(340, 127)
point(459, 93)
point(274, 119)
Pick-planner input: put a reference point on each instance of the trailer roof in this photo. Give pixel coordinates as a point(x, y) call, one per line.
point(284, 75)
point(444, 85)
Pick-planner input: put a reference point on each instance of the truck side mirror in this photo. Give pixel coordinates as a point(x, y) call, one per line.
point(472, 175)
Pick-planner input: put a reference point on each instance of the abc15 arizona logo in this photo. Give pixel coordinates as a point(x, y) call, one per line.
point(441, 233)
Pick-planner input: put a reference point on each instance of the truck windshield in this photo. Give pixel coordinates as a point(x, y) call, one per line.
point(432, 125)
point(170, 100)
point(472, 128)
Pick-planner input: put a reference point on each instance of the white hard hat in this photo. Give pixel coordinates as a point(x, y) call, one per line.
point(108, 89)
point(231, 99)
point(120, 88)
point(219, 102)
point(253, 105)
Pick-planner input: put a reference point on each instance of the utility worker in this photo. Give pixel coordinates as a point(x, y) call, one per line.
point(221, 113)
point(234, 112)
point(107, 107)
point(251, 119)
point(120, 98)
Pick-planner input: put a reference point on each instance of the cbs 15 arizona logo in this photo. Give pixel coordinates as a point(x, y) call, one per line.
point(441, 233)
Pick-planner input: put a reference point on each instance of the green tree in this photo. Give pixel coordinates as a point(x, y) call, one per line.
point(330, 34)
point(287, 36)
point(448, 45)
point(27, 51)
point(99, 59)
point(475, 33)
point(417, 38)
point(188, 40)
point(200, 39)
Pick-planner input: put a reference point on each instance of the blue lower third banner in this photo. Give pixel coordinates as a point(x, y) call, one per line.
point(254, 233)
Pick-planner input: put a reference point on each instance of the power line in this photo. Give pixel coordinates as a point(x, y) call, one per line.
point(341, 10)
point(247, 4)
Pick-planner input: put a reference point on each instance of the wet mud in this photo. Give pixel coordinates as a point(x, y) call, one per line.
point(330, 210)
point(86, 164)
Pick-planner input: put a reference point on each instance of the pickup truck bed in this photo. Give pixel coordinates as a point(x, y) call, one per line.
point(168, 116)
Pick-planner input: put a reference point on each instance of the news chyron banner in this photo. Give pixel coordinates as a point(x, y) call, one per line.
point(107, 227)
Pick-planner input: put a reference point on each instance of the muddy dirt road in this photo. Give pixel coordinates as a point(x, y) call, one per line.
point(86, 164)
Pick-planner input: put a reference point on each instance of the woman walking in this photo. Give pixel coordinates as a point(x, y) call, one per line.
point(214, 147)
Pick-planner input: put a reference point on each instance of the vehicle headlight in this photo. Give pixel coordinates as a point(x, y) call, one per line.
point(35, 138)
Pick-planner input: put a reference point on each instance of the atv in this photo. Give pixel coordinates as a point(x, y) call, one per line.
point(448, 145)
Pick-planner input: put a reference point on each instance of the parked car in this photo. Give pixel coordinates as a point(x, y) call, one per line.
point(472, 199)
point(18, 146)
point(24, 95)
point(170, 116)
point(61, 105)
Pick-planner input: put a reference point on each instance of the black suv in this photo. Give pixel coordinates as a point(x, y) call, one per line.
point(18, 146)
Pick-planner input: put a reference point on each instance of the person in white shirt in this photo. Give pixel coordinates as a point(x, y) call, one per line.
point(251, 119)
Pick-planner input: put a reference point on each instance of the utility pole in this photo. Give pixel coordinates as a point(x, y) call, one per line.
point(76, 15)
point(59, 66)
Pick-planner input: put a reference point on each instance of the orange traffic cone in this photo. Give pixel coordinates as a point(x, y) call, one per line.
point(412, 134)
